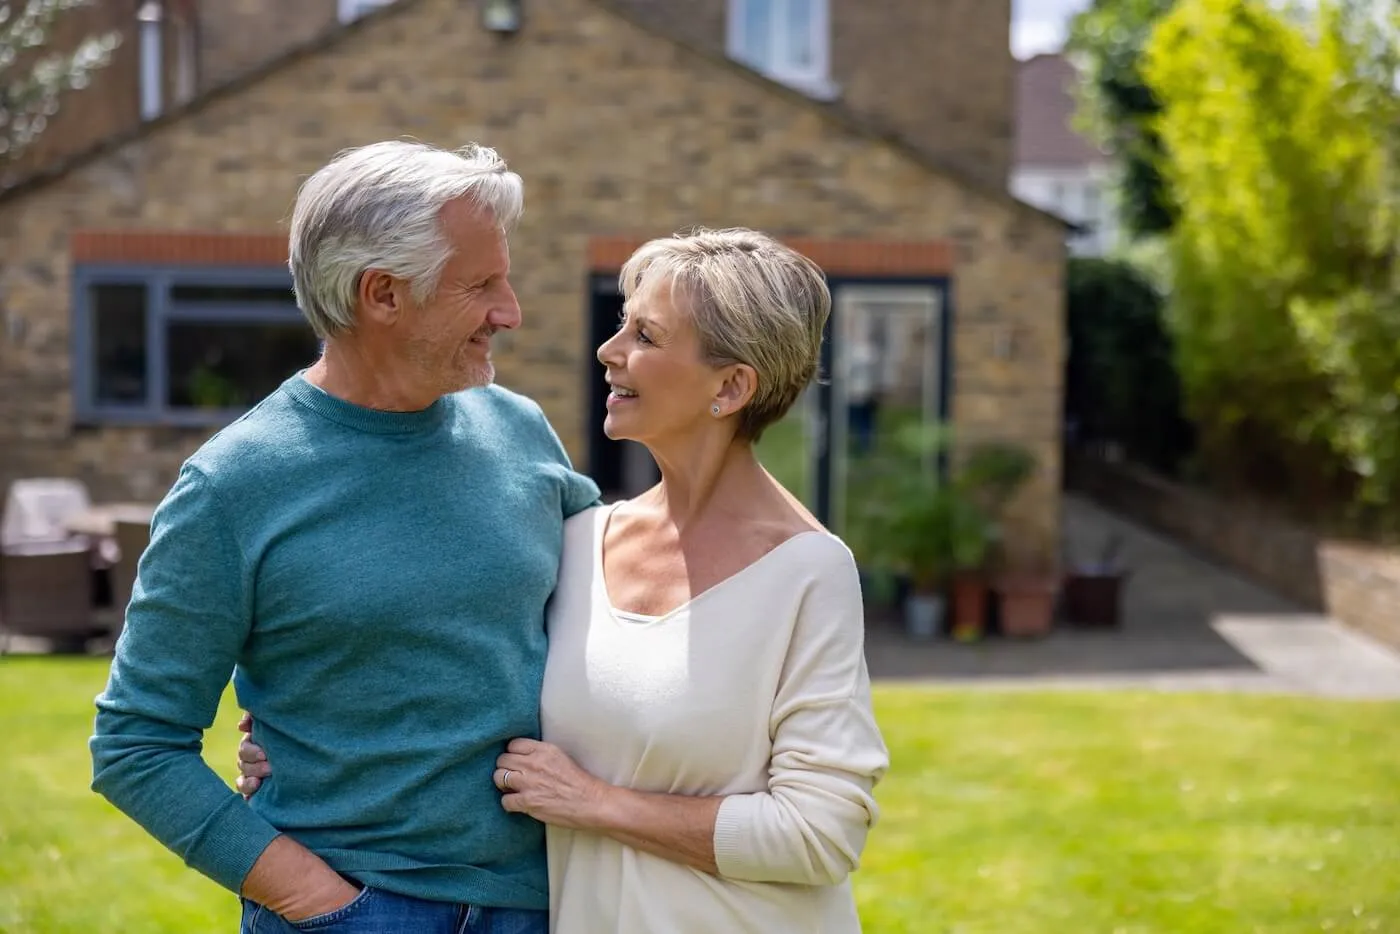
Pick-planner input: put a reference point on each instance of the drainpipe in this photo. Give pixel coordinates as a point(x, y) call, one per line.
point(152, 70)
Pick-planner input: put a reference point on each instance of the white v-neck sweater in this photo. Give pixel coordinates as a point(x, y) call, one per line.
point(756, 689)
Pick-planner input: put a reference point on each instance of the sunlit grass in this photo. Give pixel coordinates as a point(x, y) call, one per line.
point(1004, 813)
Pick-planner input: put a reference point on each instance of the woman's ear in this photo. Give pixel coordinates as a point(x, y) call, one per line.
point(738, 388)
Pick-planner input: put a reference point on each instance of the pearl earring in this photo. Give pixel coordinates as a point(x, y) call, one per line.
point(714, 410)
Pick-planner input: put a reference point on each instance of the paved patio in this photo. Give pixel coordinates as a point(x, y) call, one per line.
point(1187, 625)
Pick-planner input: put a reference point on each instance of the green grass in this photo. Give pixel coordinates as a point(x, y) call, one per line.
point(1013, 813)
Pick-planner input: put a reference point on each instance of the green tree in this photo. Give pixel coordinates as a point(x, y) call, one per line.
point(1280, 157)
point(31, 85)
point(1117, 107)
point(1349, 319)
point(1121, 383)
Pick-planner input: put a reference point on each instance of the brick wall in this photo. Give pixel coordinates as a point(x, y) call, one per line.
point(1357, 584)
point(617, 134)
point(938, 71)
point(236, 35)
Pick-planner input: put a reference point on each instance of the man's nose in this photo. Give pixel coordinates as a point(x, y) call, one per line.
point(506, 314)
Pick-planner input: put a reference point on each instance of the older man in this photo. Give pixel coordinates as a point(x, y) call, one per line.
point(368, 552)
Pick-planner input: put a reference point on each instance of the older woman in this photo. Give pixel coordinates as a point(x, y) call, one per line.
point(709, 750)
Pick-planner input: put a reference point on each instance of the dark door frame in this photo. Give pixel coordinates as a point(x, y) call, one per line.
point(606, 461)
point(943, 285)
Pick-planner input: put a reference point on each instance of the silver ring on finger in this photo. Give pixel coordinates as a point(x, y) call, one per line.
point(505, 780)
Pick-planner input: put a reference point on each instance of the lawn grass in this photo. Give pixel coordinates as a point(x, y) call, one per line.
point(1013, 813)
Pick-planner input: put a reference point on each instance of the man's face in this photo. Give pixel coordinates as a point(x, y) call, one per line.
point(448, 338)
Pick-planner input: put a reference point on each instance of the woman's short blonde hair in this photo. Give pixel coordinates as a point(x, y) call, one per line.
point(752, 300)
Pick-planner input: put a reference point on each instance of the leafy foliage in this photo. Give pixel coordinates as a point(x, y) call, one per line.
point(1121, 383)
point(1284, 301)
point(30, 86)
point(910, 518)
point(1117, 106)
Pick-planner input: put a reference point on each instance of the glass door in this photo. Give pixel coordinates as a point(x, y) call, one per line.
point(882, 369)
point(887, 376)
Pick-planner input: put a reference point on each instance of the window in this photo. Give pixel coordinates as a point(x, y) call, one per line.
point(1091, 202)
point(788, 40)
point(351, 10)
point(183, 347)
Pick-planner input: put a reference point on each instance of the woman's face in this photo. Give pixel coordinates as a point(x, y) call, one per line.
point(661, 385)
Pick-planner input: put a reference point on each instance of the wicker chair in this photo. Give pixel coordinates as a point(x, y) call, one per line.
point(46, 591)
point(35, 509)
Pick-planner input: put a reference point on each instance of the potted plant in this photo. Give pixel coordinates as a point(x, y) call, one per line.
point(970, 534)
point(1027, 601)
point(1093, 590)
point(919, 543)
point(905, 524)
point(989, 476)
point(1027, 591)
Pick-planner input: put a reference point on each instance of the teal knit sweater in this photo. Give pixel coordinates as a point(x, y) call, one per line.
point(375, 583)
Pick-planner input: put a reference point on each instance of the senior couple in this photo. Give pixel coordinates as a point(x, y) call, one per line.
point(481, 701)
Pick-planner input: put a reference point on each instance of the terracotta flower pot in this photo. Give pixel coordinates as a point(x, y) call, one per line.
point(1027, 604)
point(969, 605)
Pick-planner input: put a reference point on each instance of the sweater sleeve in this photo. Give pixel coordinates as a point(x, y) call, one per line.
point(188, 619)
point(810, 826)
point(579, 490)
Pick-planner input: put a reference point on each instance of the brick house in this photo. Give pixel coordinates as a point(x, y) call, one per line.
point(1055, 166)
point(144, 298)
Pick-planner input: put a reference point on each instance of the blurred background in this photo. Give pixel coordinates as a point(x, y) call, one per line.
point(1109, 410)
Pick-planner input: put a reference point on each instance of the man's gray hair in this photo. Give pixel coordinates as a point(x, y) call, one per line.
point(378, 207)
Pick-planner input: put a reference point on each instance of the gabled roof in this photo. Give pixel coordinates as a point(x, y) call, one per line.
point(855, 123)
point(1045, 107)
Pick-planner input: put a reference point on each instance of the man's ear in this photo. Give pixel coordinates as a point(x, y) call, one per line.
point(382, 297)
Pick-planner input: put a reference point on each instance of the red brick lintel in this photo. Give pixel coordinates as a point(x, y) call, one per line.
point(848, 257)
point(178, 248)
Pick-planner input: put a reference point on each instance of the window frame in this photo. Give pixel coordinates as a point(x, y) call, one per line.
point(815, 81)
point(161, 311)
point(350, 10)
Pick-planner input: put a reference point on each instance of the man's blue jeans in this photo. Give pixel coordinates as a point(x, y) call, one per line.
point(374, 911)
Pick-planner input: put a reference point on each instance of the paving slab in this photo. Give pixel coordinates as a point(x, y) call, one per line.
point(1188, 624)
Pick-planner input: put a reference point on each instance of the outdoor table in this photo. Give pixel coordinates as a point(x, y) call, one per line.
point(101, 521)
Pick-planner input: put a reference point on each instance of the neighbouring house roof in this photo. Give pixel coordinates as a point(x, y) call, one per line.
point(853, 122)
point(1045, 106)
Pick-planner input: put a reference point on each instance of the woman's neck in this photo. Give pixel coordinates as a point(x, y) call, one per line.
point(694, 481)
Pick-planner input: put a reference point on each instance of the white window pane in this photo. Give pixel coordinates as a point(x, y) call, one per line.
point(351, 10)
point(757, 32)
point(799, 51)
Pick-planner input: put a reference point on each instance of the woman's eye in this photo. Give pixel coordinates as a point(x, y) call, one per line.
point(642, 336)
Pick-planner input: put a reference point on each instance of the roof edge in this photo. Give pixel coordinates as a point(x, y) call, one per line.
point(835, 111)
point(327, 38)
point(842, 115)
